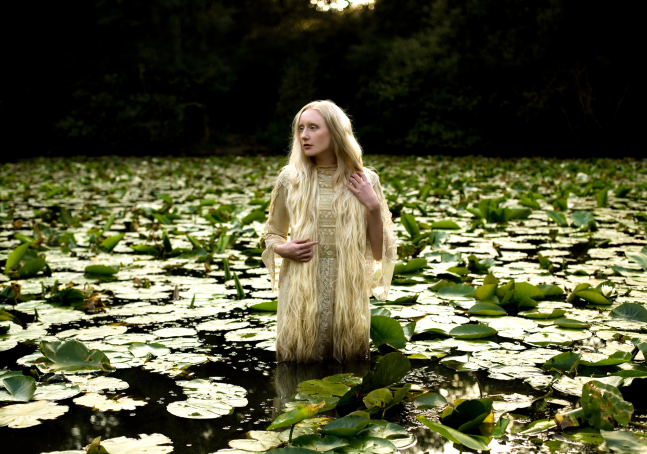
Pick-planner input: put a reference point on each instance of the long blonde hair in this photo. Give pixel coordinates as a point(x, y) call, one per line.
point(351, 316)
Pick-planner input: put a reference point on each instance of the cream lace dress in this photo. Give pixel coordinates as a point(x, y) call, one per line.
point(378, 273)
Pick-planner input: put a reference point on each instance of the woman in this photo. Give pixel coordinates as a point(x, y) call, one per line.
point(342, 247)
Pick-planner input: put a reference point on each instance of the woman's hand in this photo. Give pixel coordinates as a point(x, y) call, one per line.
point(363, 190)
point(297, 250)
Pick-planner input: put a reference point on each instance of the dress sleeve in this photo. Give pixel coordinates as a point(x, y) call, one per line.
point(382, 271)
point(276, 229)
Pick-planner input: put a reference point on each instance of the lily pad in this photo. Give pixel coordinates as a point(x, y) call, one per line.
point(631, 311)
point(604, 406)
point(385, 330)
point(623, 442)
point(486, 308)
point(476, 442)
point(348, 426)
point(149, 444)
point(19, 416)
point(429, 400)
point(20, 387)
point(472, 331)
point(101, 402)
point(315, 443)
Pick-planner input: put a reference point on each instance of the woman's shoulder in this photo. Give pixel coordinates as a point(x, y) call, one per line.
point(372, 175)
point(285, 176)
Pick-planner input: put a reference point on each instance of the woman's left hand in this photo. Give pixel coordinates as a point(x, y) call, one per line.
point(363, 190)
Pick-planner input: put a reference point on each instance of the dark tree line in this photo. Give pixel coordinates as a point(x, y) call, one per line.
point(168, 75)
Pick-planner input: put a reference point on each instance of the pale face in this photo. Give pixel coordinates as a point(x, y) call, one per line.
point(315, 137)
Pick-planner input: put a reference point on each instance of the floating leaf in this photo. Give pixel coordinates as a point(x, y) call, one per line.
point(456, 291)
point(584, 435)
point(72, 355)
point(101, 402)
point(385, 330)
point(19, 416)
point(31, 268)
point(410, 225)
point(604, 406)
point(297, 415)
point(315, 443)
point(572, 323)
point(639, 257)
point(631, 311)
point(429, 400)
point(15, 257)
point(322, 388)
point(566, 363)
point(487, 309)
point(472, 331)
point(582, 218)
point(22, 388)
point(348, 426)
point(558, 217)
point(378, 398)
point(267, 306)
point(410, 266)
point(615, 359)
point(446, 225)
point(467, 414)
point(476, 442)
point(623, 442)
point(101, 270)
point(593, 297)
point(111, 242)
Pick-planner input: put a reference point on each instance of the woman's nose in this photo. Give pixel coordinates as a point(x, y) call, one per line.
point(304, 134)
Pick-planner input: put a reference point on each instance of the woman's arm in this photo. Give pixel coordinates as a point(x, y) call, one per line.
point(362, 188)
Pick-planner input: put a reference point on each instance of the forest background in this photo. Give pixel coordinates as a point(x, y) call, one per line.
point(551, 77)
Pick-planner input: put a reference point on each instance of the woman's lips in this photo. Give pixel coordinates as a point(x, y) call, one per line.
point(307, 146)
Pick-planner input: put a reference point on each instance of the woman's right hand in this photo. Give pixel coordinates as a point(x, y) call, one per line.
point(297, 250)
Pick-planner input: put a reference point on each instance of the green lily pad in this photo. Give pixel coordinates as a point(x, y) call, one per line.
point(623, 442)
point(472, 331)
point(72, 355)
point(467, 414)
point(486, 308)
point(370, 445)
point(348, 426)
point(300, 413)
point(321, 388)
point(476, 442)
point(268, 306)
point(542, 314)
point(429, 400)
point(111, 242)
point(456, 291)
point(631, 311)
point(385, 330)
point(604, 405)
point(22, 388)
point(315, 443)
point(615, 359)
point(566, 363)
point(445, 225)
point(593, 297)
point(101, 270)
point(584, 435)
point(572, 323)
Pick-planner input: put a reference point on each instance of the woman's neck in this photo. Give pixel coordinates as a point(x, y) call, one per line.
point(326, 159)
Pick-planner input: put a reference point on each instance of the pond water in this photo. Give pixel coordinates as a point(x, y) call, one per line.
point(175, 313)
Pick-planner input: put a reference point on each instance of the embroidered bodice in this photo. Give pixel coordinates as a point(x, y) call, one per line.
point(327, 220)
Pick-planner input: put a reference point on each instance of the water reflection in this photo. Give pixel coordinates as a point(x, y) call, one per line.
point(287, 377)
